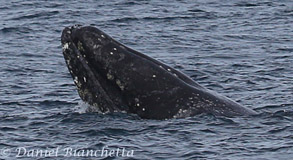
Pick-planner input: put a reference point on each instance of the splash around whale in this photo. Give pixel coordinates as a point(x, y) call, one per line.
point(112, 77)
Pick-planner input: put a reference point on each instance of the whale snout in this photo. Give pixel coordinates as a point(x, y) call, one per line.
point(68, 33)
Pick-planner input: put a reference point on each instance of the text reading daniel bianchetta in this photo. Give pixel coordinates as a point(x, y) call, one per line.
point(66, 152)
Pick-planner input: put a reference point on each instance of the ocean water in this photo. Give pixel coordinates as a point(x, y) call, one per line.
point(240, 49)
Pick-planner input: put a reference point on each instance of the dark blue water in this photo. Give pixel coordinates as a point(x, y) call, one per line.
point(241, 49)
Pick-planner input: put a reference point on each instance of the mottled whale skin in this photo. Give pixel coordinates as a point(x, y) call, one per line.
point(114, 78)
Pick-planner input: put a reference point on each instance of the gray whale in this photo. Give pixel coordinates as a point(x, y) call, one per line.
point(112, 77)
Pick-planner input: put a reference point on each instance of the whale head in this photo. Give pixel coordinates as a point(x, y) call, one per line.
point(113, 77)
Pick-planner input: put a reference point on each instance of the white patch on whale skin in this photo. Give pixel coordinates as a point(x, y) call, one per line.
point(115, 49)
point(118, 82)
point(143, 109)
point(69, 66)
point(102, 36)
point(96, 46)
point(183, 113)
point(65, 46)
point(75, 80)
point(68, 61)
point(80, 47)
point(109, 76)
point(154, 76)
point(111, 53)
point(84, 79)
point(76, 26)
point(169, 69)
